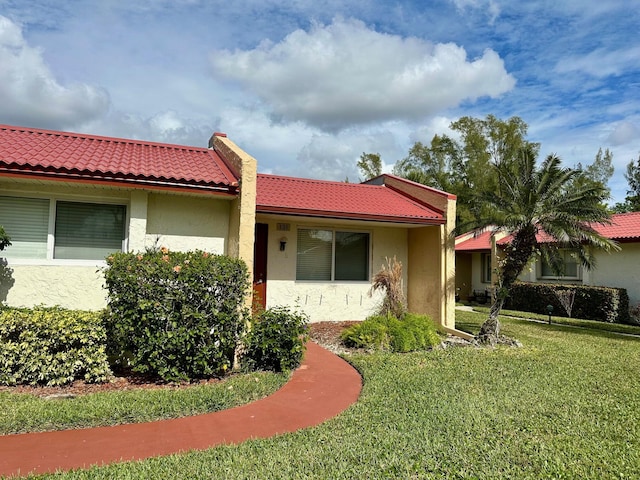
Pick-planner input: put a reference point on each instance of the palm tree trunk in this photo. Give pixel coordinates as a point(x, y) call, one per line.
point(519, 253)
point(490, 329)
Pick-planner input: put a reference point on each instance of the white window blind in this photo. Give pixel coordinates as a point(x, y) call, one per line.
point(88, 231)
point(326, 255)
point(26, 221)
point(569, 267)
point(314, 254)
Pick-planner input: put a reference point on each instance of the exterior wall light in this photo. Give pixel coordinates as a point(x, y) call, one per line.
point(283, 244)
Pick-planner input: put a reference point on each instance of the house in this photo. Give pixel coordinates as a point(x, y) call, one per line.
point(476, 254)
point(67, 200)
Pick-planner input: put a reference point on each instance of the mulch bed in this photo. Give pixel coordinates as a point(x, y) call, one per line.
point(326, 334)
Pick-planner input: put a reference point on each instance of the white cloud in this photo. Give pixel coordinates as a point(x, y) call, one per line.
point(601, 63)
point(624, 132)
point(491, 6)
point(346, 74)
point(31, 95)
point(335, 157)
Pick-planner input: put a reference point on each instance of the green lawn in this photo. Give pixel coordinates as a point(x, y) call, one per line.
point(28, 413)
point(566, 405)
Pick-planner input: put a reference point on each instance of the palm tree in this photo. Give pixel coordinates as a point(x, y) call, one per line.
point(542, 211)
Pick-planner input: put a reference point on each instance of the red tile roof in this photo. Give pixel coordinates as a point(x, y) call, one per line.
point(473, 243)
point(625, 227)
point(72, 156)
point(320, 198)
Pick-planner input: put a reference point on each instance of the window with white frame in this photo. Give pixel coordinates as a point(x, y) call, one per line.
point(328, 255)
point(570, 267)
point(486, 268)
point(42, 228)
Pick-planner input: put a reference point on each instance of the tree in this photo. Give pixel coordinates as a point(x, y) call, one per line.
point(632, 200)
point(462, 167)
point(530, 201)
point(599, 172)
point(370, 165)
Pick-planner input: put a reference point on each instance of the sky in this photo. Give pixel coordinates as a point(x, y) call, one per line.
point(307, 86)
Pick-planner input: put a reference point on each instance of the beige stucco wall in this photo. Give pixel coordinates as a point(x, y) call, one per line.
point(431, 255)
point(618, 269)
point(179, 222)
point(327, 301)
point(75, 287)
point(187, 223)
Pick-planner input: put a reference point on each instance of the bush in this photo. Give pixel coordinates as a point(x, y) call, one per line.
point(413, 332)
point(605, 304)
point(276, 341)
point(175, 315)
point(634, 315)
point(51, 346)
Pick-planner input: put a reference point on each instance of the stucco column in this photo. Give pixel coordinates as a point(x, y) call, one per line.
point(448, 318)
point(243, 209)
point(138, 220)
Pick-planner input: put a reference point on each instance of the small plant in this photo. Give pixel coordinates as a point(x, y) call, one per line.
point(5, 240)
point(566, 298)
point(389, 281)
point(51, 346)
point(371, 334)
point(276, 341)
point(414, 332)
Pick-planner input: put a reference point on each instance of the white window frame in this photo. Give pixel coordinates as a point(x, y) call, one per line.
point(485, 258)
point(564, 253)
point(333, 253)
point(53, 200)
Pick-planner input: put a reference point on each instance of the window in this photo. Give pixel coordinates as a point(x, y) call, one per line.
point(486, 268)
point(26, 221)
point(569, 267)
point(328, 255)
point(81, 231)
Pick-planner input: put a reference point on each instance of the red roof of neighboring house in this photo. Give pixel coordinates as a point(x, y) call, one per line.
point(474, 243)
point(73, 156)
point(625, 227)
point(321, 198)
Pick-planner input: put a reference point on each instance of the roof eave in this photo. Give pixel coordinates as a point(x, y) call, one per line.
point(299, 212)
point(131, 182)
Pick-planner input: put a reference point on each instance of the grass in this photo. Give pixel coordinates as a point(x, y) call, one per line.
point(28, 413)
point(574, 322)
point(566, 405)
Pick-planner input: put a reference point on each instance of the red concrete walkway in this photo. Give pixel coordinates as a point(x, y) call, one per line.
point(322, 387)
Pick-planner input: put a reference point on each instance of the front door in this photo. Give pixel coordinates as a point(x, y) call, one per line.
point(260, 267)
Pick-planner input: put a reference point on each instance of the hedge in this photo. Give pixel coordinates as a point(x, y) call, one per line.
point(51, 346)
point(175, 315)
point(605, 304)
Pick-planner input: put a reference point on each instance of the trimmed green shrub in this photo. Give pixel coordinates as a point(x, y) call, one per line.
point(175, 315)
point(413, 332)
point(373, 333)
point(51, 346)
point(605, 304)
point(276, 340)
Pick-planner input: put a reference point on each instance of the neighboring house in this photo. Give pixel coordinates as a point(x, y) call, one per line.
point(475, 260)
point(67, 200)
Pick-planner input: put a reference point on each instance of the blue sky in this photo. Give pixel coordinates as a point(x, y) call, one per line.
point(306, 86)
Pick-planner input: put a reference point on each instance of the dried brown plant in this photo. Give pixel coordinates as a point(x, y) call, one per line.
point(389, 281)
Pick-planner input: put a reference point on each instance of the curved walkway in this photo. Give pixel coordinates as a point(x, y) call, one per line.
point(321, 388)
